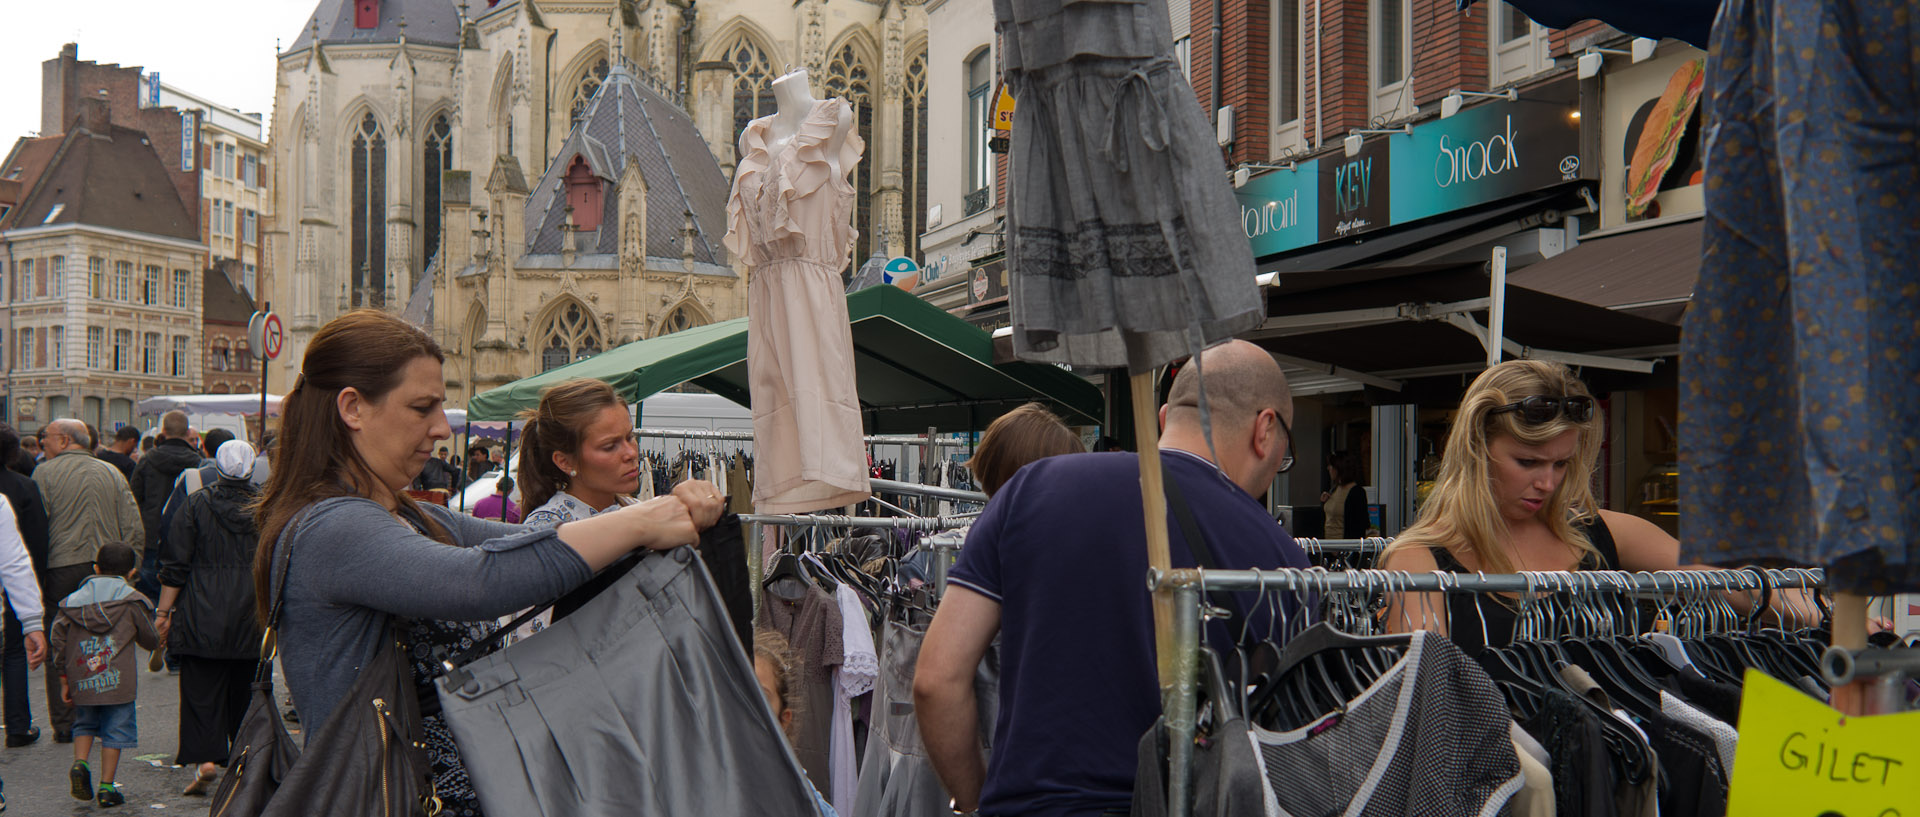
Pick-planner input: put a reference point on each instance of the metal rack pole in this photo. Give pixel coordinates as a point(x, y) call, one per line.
point(930, 523)
point(912, 489)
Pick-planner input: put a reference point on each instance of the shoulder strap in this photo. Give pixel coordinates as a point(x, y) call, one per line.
point(1202, 552)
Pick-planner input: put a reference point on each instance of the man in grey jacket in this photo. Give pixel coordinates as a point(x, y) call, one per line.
point(88, 505)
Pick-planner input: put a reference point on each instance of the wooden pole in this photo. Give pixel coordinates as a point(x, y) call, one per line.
point(1153, 496)
point(1850, 633)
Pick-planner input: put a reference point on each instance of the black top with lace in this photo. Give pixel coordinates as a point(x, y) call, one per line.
point(1466, 612)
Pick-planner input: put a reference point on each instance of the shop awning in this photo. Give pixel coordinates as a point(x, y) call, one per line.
point(1382, 246)
point(1387, 328)
point(1648, 272)
point(915, 365)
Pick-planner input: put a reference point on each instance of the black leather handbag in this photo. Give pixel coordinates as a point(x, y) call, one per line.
point(365, 761)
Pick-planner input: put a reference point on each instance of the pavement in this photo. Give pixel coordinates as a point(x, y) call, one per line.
point(36, 775)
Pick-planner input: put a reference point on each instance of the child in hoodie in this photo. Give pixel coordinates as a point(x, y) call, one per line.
point(92, 642)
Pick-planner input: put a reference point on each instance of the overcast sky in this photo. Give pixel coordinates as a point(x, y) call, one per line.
point(222, 50)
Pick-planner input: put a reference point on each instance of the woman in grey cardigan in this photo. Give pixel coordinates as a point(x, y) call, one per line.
point(359, 424)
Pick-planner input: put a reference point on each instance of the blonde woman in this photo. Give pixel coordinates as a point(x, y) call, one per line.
point(1516, 494)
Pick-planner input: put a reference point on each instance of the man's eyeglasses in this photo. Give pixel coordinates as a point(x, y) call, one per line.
point(1286, 462)
point(1540, 409)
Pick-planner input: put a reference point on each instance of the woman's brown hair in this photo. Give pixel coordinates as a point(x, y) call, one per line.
point(565, 411)
point(366, 350)
point(1020, 436)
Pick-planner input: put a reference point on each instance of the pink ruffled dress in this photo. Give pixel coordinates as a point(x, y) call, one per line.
point(790, 218)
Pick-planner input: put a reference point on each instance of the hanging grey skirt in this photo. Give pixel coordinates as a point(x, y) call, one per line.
point(1125, 241)
point(642, 702)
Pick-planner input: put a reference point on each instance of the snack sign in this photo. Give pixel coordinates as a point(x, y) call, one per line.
point(1799, 758)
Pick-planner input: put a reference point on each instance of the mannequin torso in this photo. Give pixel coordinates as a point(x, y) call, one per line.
point(797, 102)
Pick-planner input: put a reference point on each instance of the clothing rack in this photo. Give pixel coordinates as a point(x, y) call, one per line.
point(1371, 544)
point(1189, 587)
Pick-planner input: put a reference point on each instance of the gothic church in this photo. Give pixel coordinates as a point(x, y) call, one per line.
point(540, 181)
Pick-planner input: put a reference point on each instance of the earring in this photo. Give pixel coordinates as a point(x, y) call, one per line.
point(572, 474)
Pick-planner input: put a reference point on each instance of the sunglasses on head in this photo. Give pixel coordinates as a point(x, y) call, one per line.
point(1540, 409)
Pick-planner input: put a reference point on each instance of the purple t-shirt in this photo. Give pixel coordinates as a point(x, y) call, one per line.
point(1063, 549)
point(491, 507)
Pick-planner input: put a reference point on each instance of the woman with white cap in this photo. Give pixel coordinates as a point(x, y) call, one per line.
point(206, 611)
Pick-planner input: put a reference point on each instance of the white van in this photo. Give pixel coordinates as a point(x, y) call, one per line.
point(680, 412)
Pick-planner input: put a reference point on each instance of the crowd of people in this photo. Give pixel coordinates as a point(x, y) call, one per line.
point(100, 544)
point(182, 548)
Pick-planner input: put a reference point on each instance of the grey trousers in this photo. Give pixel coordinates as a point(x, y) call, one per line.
point(642, 702)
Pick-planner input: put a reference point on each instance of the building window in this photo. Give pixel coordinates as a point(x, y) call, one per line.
point(249, 278)
point(96, 277)
point(150, 357)
point(221, 357)
point(752, 84)
point(182, 289)
point(250, 226)
point(121, 288)
point(913, 153)
point(25, 335)
point(1289, 74)
point(96, 343)
point(1520, 48)
point(90, 409)
point(250, 171)
point(227, 217)
point(31, 286)
point(57, 276)
point(847, 79)
point(57, 347)
point(583, 194)
point(122, 349)
point(569, 335)
point(979, 173)
point(1392, 59)
point(369, 214)
point(213, 218)
point(439, 160)
point(150, 286)
point(583, 91)
point(179, 361)
point(682, 318)
point(366, 14)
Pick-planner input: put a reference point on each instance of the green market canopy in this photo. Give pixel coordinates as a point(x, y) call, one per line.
point(916, 366)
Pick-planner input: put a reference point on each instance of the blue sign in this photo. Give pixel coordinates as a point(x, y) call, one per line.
point(1485, 153)
point(898, 268)
point(1280, 211)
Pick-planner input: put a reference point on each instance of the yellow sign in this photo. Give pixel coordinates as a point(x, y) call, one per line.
point(1800, 758)
point(1003, 110)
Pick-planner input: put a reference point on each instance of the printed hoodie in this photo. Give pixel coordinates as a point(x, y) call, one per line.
point(93, 639)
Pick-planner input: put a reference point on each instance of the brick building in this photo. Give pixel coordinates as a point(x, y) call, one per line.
point(101, 261)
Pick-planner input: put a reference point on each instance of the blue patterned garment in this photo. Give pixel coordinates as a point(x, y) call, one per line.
point(1800, 375)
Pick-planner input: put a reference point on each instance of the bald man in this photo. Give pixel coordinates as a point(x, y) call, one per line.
point(88, 505)
point(1057, 567)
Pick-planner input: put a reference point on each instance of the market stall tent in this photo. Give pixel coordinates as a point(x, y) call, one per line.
point(916, 367)
point(208, 404)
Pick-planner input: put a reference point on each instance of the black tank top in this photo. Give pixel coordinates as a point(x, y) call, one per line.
point(1465, 611)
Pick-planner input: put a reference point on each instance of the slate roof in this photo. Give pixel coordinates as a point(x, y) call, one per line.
point(628, 118)
point(113, 180)
point(22, 168)
point(222, 300)
point(429, 22)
